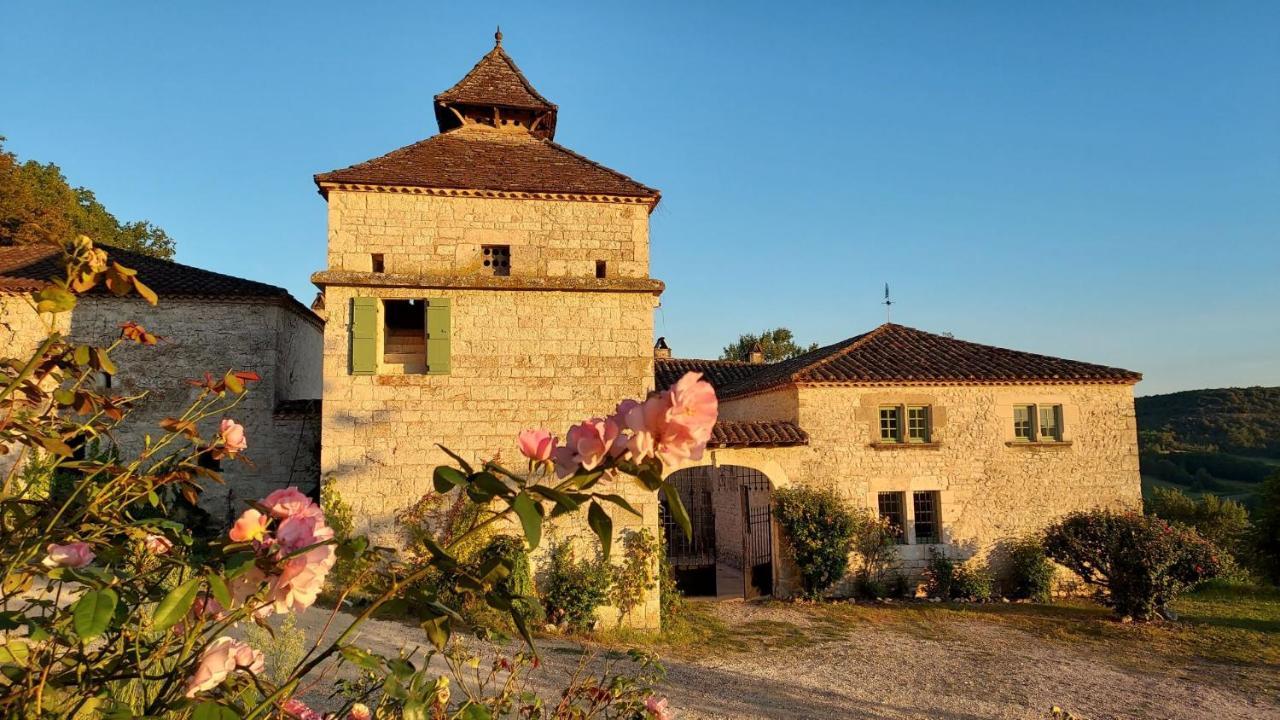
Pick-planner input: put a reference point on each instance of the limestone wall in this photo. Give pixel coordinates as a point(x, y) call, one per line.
point(427, 234)
point(209, 336)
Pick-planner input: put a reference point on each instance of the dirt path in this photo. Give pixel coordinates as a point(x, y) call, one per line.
point(806, 666)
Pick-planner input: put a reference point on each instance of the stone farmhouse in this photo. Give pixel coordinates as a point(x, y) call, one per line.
point(487, 279)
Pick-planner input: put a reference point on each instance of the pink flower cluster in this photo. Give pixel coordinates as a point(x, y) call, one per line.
point(292, 524)
point(72, 555)
point(233, 439)
point(672, 425)
point(221, 658)
point(657, 708)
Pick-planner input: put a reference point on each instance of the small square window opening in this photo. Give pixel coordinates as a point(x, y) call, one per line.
point(379, 264)
point(601, 268)
point(404, 342)
point(496, 259)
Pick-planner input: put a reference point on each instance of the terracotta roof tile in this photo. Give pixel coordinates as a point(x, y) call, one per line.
point(895, 354)
point(720, 373)
point(766, 433)
point(29, 267)
point(485, 158)
point(495, 80)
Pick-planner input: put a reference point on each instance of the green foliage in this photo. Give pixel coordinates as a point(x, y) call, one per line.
point(634, 576)
point(670, 599)
point(1139, 563)
point(776, 344)
point(1266, 529)
point(1235, 420)
point(282, 647)
point(509, 550)
point(939, 575)
point(1224, 523)
point(1029, 571)
point(39, 206)
point(574, 588)
point(876, 547)
point(820, 529)
point(949, 580)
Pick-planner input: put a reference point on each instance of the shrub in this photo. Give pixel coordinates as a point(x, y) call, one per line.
point(972, 581)
point(1266, 529)
point(1224, 523)
point(876, 545)
point(939, 575)
point(1030, 572)
point(820, 528)
point(574, 588)
point(1141, 562)
point(669, 596)
point(511, 551)
point(901, 587)
point(635, 575)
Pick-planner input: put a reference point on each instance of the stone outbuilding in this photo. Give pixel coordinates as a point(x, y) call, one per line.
point(208, 322)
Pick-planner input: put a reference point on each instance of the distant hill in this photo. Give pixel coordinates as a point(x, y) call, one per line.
point(1235, 420)
point(1223, 441)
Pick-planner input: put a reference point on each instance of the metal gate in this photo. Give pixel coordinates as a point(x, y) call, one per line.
point(692, 558)
point(757, 531)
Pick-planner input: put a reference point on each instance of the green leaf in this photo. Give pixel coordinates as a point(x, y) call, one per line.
point(176, 604)
point(54, 299)
point(414, 710)
point(233, 383)
point(602, 525)
point(517, 617)
point(92, 613)
point(238, 564)
point(14, 652)
point(446, 478)
point(475, 712)
point(362, 659)
point(491, 485)
point(620, 502)
point(466, 466)
point(556, 496)
point(218, 587)
point(530, 514)
point(81, 355)
point(438, 630)
point(214, 711)
point(676, 508)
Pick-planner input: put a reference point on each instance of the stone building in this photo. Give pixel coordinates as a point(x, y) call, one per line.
point(487, 279)
point(209, 322)
point(962, 446)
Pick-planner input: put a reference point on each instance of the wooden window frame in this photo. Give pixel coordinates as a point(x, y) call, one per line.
point(902, 432)
point(899, 498)
point(1035, 432)
point(935, 498)
point(896, 435)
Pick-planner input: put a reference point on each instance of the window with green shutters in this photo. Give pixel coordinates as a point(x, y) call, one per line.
point(400, 354)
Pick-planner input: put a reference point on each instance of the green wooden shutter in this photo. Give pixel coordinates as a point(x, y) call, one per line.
point(438, 334)
point(364, 336)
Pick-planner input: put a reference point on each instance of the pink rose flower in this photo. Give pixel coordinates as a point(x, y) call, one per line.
point(360, 711)
point(221, 658)
point(157, 544)
point(72, 555)
point(693, 406)
point(299, 583)
point(537, 445)
point(289, 502)
point(585, 446)
point(251, 525)
point(233, 440)
point(295, 708)
point(657, 708)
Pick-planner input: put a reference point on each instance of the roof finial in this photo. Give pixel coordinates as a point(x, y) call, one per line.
point(497, 37)
point(888, 304)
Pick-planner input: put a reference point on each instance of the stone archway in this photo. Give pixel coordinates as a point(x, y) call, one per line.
point(731, 550)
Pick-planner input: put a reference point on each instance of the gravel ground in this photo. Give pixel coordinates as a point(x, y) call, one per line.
point(971, 669)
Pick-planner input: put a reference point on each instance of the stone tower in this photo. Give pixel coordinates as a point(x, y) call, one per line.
point(479, 282)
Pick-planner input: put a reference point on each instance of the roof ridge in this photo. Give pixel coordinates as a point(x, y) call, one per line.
point(500, 54)
point(853, 343)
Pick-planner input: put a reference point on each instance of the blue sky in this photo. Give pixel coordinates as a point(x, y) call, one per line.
point(1091, 180)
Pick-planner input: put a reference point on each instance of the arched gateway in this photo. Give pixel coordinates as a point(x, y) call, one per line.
point(730, 552)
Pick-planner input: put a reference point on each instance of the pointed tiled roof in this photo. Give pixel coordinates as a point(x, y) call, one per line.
point(483, 158)
point(720, 373)
point(898, 355)
point(496, 80)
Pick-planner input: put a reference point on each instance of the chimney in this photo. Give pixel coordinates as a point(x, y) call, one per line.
point(661, 350)
point(756, 357)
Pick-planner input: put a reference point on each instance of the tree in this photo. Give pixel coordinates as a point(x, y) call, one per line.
point(777, 344)
point(1266, 528)
point(39, 206)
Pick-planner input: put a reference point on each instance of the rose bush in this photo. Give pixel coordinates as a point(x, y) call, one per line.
point(109, 608)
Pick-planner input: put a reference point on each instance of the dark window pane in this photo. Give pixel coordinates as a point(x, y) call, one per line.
point(927, 521)
point(889, 424)
point(891, 510)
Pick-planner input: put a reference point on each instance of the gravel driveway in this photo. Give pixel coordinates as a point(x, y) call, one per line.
point(969, 669)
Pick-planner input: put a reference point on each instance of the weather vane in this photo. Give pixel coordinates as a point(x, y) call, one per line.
point(888, 304)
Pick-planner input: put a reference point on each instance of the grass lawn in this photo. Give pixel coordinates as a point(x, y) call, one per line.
point(1223, 624)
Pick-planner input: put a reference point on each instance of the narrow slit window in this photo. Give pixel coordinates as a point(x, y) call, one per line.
point(404, 340)
point(890, 424)
point(601, 268)
point(379, 264)
point(928, 522)
point(496, 259)
point(890, 505)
